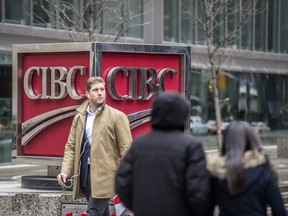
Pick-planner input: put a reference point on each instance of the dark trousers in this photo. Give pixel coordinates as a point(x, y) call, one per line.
point(96, 206)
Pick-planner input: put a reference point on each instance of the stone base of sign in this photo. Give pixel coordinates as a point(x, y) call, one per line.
point(282, 148)
point(35, 203)
point(46, 203)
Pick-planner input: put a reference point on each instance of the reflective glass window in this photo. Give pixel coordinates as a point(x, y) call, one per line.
point(171, 14)
point(247, 35)
point(260, 99)
point(201, 35)
point(283, 26)
point(91, 19)
point(273, 25)
point(1, 8)
point(122, 18)
point(70, 15)
point(187, 23)
point(43, 13)
point(260, 26)
point(17, 12)
point(219, 28)
point(134, 11)
point(233, 20)
point(6, 126)
point(5, 96)
point(111, 17)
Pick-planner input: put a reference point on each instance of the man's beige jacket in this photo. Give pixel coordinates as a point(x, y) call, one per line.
point(111, 138)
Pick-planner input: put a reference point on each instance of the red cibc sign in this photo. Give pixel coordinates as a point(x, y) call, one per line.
point(51, 82)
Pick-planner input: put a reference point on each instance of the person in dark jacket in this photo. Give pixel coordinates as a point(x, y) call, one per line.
point(164, 171)
point(242, 180)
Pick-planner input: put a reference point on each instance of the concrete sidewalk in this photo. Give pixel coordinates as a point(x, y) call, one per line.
point(10, 174)
point(279, 164)
point(17, 201)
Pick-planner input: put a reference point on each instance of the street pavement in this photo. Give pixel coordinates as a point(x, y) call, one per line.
point(280, 164)
point(10, 174)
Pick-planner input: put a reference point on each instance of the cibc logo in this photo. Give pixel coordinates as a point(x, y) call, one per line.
point(61, 82)
point(58, 82)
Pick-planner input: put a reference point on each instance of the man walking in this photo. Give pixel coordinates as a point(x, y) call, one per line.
point(98, 136)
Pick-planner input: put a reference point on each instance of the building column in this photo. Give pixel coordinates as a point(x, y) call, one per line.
point(153, 21)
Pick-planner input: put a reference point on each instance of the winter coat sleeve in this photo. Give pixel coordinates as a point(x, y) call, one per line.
point(275, 199)
point(123, 182)
point(197, 180)
point(69, 153)
point(123, 134)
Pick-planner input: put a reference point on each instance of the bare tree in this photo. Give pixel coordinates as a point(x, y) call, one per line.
point(221, 22)
point(91, 20)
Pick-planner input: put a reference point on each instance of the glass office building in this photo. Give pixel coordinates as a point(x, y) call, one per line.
point(253, 83)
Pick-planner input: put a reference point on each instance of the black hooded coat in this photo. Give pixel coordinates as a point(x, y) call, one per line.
point(164, 172)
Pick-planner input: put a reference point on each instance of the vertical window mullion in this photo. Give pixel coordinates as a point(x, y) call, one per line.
point(123, 25)
point(196, 23)
point(179, 22)
point(226, 30)
point(240, 29)
point(3, 11)
point(193, 23)
point(279, 26)
point(253, 28)
point(31, 11)
point(266, 26)
point(81, 11)
point(57, 18)
point(211, 25)
point(240, 20)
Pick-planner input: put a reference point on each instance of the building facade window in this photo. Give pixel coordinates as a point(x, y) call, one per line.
point(43, 14)
point(188, 27)
point(119, 18)
point(201, 35)
point(266, 29)
point(6, 126)
point(233, 18)
point(171, 23)
point(283, 26)
point(70, 15)
point(17, 12)
point(134, 26)
point(1, 11)
point(247, 34)
point(123, 18)
point(260, 25)
point(5, 95)
point(261, 99)
point(273, 26)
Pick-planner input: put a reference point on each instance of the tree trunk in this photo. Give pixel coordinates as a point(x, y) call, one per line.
point(217, 111)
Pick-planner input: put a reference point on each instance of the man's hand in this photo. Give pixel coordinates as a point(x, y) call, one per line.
point(61, 178)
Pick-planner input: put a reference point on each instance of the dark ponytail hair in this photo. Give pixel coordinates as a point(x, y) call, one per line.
point(239, 137)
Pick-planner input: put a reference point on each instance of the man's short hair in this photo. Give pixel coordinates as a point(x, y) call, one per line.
point(93, 80)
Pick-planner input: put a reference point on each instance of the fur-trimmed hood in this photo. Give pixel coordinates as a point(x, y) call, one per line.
point(260, 187)
point(216, 163)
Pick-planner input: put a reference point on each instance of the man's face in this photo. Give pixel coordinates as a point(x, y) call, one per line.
point(96, 94)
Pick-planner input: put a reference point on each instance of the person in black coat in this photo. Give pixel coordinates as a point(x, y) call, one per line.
point(164, 172)
point(242, 179)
